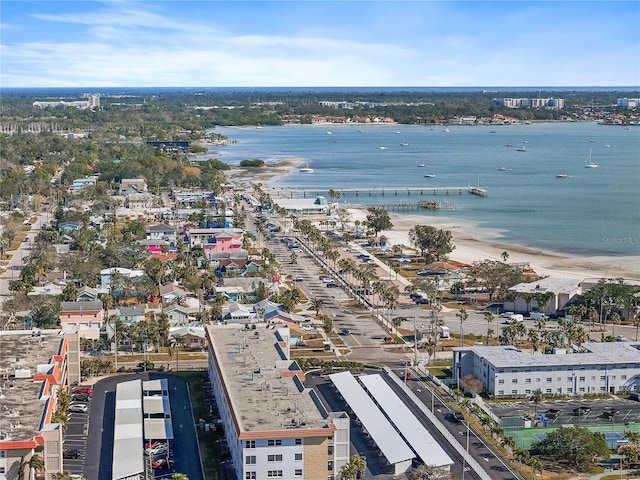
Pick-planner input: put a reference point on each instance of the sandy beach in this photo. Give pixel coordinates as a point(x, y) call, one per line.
point(470, 246)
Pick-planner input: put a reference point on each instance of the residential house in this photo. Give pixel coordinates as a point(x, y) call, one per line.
point(215, 240)
point(235, 267)
point(178, 315)
point(87, 294)
point(129, 315)
point(83, 317)
point(139, 201)
point(68, 226)
point(192, 337)
point(49, 288)
point(548, 295)
point(171, 293)
point(107, 274)
point(162, 232)
point(80, 184)
point(155, 245)
point(138, 184)
point(239, 313)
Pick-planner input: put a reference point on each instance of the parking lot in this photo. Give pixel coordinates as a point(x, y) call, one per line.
point(74, 448)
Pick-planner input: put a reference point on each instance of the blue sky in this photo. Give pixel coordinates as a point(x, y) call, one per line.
point(318, 43)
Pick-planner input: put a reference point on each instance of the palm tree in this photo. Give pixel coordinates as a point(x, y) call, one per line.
point(462, 315)
point(615, 320)
point(489, 317)
point(36, 464)
point(536, 398)
point(354, 469)
point(316, 304)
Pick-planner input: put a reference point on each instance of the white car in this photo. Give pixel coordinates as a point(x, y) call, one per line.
point(78, 408)
point(159, 449)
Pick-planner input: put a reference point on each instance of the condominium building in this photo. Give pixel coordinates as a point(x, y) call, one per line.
point(274, 425)
point(35, 366)
point(592, 368)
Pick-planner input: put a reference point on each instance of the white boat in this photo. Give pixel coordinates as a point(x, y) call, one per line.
point(562, 175)
point(508, 144)
point(592, 139)
point(382, 147)
point(422, 164)
point(521, 149)
point(505, 169)
point(328, 132)
point(492, 131)
point(477, 190)
point(404, 144)
point(446, 130)
point(430, 175)
point(306, 169)
point(590, 163)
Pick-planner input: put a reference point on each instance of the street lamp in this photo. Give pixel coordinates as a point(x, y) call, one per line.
point(464, 457)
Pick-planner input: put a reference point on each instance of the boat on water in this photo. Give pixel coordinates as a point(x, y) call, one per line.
point(592, 139)
point(306, 169)
point(477, 190)
point(430, 175)
point(328, 132)
point(422, 164)
point(492, 131)
point(381, 147)
point(446, 130)
point(590, 163)
point(403, 144)
point(508, 144)
point(521, 149)
point(562, 175)
point(505, 169)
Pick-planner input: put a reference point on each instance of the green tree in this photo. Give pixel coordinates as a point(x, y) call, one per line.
point(378, 220)
point(429, 472)
point(434, 244)
point(316, 304)
point(354, 469)
point(536, 397)
point(575, 446)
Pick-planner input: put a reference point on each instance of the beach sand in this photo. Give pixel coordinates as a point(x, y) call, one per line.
point(470, 246)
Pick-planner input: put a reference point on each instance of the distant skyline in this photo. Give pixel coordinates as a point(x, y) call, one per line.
point(327, 43)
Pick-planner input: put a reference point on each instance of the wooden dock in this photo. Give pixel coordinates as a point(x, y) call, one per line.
point(383, 191)
point(421, 205)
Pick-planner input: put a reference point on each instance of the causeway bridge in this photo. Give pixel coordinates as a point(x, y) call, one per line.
point(371, 191)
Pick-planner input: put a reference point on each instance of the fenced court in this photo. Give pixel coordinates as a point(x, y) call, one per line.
point(525, 437)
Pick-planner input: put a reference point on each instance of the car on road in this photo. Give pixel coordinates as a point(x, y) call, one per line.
point(78, 408)
point(582, 410)
point(621, 338)
point(345, 331)
point(71, 453)
point(159, 449)
point(458, 416)
point(299, 278)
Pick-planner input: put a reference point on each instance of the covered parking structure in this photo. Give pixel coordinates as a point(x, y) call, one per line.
point(390, 443)
point(413, 431)
point(128, 453)
point(157, 410)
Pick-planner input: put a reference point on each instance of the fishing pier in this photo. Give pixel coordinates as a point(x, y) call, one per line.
point(383, 191)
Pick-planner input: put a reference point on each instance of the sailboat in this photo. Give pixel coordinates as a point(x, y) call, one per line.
point(590, 163)
point(306, 169)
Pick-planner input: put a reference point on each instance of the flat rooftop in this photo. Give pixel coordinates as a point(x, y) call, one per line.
point(260, 383)
point(23, 354)
point(549, 284)
point(609, 353)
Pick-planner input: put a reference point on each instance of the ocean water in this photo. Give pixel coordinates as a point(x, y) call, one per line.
point(592, 212)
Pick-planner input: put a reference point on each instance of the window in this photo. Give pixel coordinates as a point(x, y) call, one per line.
point(250, 444)
point(274, 458)
point(250, 460)
point(298, 456)
point(274, 443)
point(514, 380)
point(514, 392)
point(569, 379)
point(602, 377)
point(623, 377)
point(330, 449)
point(501, 381)
point(558, 379)
point(548, 390)
point(581, 379)
point(527, 380)
point(330, 465)
point(500, 392)
point(250, 476)
point(298, 441)
point(2, 470)
point(528, 391)
point(274, 474)
point(298, 473)
point(549, 379)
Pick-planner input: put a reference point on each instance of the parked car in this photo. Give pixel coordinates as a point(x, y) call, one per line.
point(552, 412)
point(299, 278)
point(610, 412)
point(332, 285)
point(621, 338)
point(87, 390)
point(458, 416)
point(81, 397)
point(345, 331)
point(160, 449)
point(71, 453)
point(78, 408)
point(582, 410)
point(162, 463)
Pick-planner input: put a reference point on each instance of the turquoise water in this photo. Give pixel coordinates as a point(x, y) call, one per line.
point(592, 212)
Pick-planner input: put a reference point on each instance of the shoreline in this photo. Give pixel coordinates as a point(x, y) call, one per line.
point(470, 246)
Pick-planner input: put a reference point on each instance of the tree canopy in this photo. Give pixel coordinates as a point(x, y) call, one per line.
point(434, 244)
point(575, 446)
point(378, 220)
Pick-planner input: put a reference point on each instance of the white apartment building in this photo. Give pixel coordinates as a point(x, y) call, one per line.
point(274, 425)
point(507, 371)
point(629, 103)
point(550, 103)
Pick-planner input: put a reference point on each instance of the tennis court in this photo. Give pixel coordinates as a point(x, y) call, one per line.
point(525, 437)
